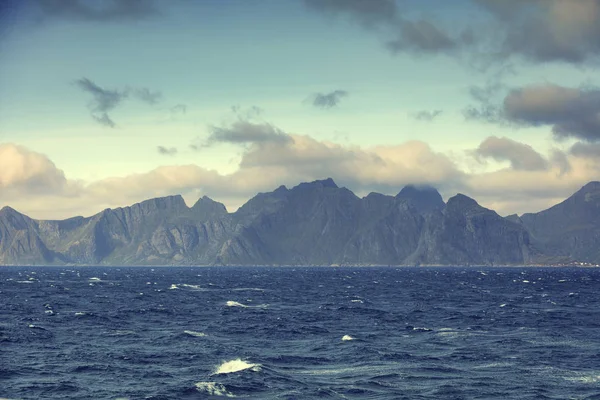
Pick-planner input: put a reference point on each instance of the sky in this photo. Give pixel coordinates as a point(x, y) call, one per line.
point(105, 103)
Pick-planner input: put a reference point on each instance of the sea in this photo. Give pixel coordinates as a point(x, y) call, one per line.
point(299, 333)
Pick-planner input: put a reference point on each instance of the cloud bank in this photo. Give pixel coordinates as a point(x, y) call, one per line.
point(31, 183)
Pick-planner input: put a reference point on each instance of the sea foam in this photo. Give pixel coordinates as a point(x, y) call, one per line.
point(213, 389)
point(231, 303)
point(196, 334)
point(347, 337)
point(236, 365)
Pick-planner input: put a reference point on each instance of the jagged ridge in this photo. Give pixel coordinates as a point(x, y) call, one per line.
point(314, 223)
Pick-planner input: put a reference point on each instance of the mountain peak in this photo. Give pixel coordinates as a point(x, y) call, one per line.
point(322, 183)
point(460, 201)
point(328, 182)
point(207, 207)
point(423, 197)
point(593, 186)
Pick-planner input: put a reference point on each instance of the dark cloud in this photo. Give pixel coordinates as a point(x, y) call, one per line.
point(486, 96)
point(522, 157)
point(328, 100)
point(421, 36)
point(534, 30)
point(245, 132)
point(106, 100)
point(166, 151)
point(426, 115)
point(572, 112)
point(548, 30)
point(559, 159)
point(104, 119)
point(485, 108)
point(586, 150)
point(408, 35)
point(103, 11)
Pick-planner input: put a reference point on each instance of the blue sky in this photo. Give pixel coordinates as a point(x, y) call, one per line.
point(106, 103)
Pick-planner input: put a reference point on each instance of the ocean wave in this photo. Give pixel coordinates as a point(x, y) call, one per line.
point(213, 389)
point(347, 338)
point(236, 365)
point(194, 333)
point(231, 303)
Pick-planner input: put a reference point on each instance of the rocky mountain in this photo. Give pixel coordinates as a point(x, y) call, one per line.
point(569, 231)
point(316, 223)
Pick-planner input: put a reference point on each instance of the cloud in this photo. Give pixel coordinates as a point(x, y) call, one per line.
point(585, 150)
point(147, 96)
point(404, 35)
point(548, 30)
point(105, 100)
point(537, 31)
point(485, 97)
point(328, 100)
point(28, 173)
point(572, 112)
point(104, 11)
point(245, 132)
point(30, 182)
point(421, 36)
point(426, 115)
point(369, 13)
point(166, 151)
point(522, 157)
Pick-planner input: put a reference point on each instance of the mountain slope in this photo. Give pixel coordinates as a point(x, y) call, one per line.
point(569, 231)
point(314, 223)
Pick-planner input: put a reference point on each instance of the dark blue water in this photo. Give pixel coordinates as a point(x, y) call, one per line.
point(299, 333)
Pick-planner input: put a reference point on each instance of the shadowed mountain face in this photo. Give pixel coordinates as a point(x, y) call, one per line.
point(569, 230)
point(316, 223)
point(423, 198)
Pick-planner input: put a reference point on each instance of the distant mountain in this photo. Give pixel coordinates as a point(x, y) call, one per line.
point(569, 230)
point(315, 223)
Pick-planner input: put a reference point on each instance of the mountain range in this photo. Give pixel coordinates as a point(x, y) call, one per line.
point(316, 223)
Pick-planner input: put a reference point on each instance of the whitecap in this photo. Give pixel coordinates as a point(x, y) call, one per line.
point(194, 287)
point(194, 333)
point(213, 389)
point(347, 337)
point(357, 301)
point(502, 305)
point(231, 303)
point(584, 379)
point(236, 365)
point(173, 286)
point(94, 279)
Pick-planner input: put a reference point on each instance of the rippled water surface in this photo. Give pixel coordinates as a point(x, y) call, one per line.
point(299, 333)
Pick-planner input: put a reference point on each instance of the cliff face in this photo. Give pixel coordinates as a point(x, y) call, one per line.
point(569, 230)
point(314, 223)
point(465, 233)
